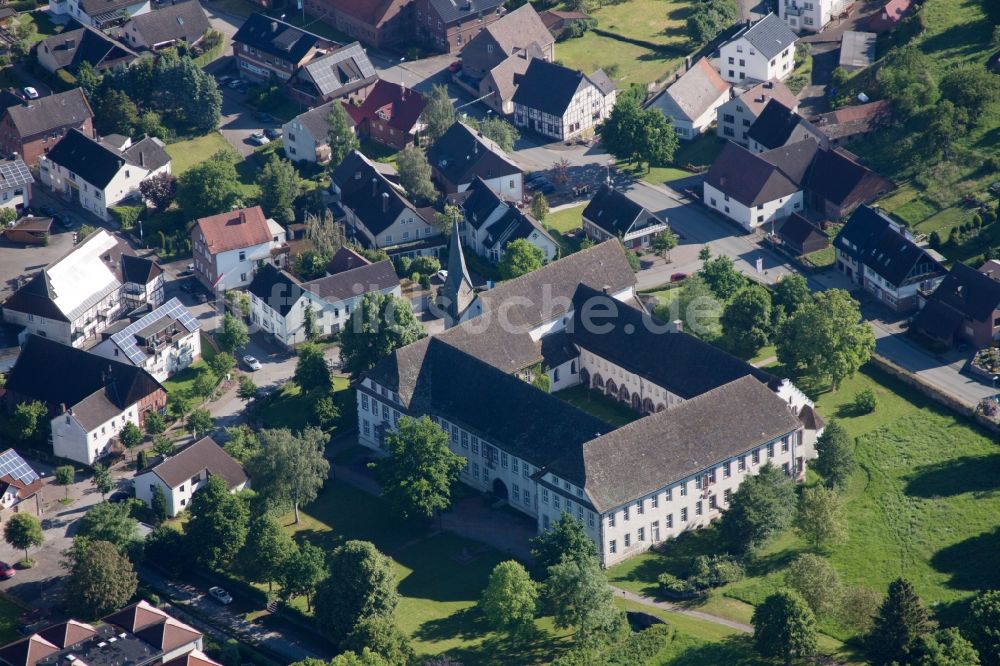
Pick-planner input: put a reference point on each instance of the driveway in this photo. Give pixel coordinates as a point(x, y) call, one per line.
point(20, 262)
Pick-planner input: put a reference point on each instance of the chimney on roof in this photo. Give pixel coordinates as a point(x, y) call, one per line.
point(243, 216)
point(274, 26)
point(677, 326)
point(142, 159)
point(749, 23)
point(606, 289)
point(374, 186)
point(687, 63)
point(62, 407)
point(385, 202)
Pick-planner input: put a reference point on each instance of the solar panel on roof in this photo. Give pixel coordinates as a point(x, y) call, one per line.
point(15, 172)
point(13, 465)
point(125, 338)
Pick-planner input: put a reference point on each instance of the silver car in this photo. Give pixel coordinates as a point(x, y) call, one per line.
point(251, 362)
point(220, 595)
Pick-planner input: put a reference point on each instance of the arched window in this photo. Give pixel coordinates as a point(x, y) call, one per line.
point(623, 394)
point(647, 406)
point(636, 402)
point(611, 388)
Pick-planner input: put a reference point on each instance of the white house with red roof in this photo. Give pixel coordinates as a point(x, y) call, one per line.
point(228, 247)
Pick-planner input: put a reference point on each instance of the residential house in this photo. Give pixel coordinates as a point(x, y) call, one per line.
point(749, 189)
point(390, 114)
point(890, 15)
point(490, 222)
point(162, 342)
point(70, 48)
point(100, 14)
point(462, 154)
point(735, 117)
point(810, 15)
point(713, 418)
point(306, 137)
point(837, 184)
point(779, 125)
point(496, 89)
point(29, 230)
point(279, 301)
point(377, 212)
point(448, 25)
point(267, 48)
point(562, 103)
point(519, 32)
point(761, 51)
point(138, 635)
point(15, 185)
point(180, 475)
point(801, 236)
point(229, 247)
point(77, 296)
point(558, 22)
point(343, 73)
point(690, 103)
point(850, 123)
point(965, 308)
point(611, 214)
point(184, 22)
point(857, 50)
point(96, 175)
point(30, 128)
point(89, 398)
point(378, 23)
point(883, 257)
point(20, 485)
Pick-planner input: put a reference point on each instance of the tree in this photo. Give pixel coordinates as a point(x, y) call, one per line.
point(445, 220)
point(898, 626)
point(905, 79)
point(23, 531)
point(101, 579)
point(199, 421)
point(946, 647)
point(311, 370)
point(30, 422)
point(761, 507)
point(211, 187)
point(288, 469)
point(205, 383)
point(858, 608)
point(222, 364)
point(497, 130)
point(379, 325)
point(167, 547)
point(746, 321)
point(242, 443)
point(835, 461)
point(309, 325)
point(817, 583)
point(266, 550)
point(88, 78)
point(826, 338)
point(439, 113)
point(821, 520)
point(698, 308)
point(341, 137)
point(233, 334)
point(365, 658)
point(163, 445)
point(657, 139)
point(326, 412)
point(217, 528)
point(115, 113)
point(519, 258)
point(539, 207)
point(158, 505)
point(362, 586)
point(159, 190)
point(971, 88)
point(709, 18)
point(303, 571)
point(983, 626)
point(65, 475)
point(510, 599)
point(154, 423)
point(326, 234)
point(578, 593)
point(420, 471)
point(279, 187)
point(130, 436)
point(415, 174)
point(621, 133)
point(566, 539)
point(783, 626)
point(109, 522)
point(247, 389)
point(789, 295)
point(380, 635)
point(722, 277)
point(664, 242)
point(102, 480)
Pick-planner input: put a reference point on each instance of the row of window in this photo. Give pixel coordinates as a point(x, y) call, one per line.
point(654, 527)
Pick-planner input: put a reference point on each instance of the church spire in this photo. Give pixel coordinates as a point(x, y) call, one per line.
point(457, 293)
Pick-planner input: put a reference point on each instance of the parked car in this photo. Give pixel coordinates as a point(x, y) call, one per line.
point(678, 277)
point(119, 496)
point(251, 362)
point(258, 139)
point(272, 133)
point(30, 93)
point(455, 66)
point(220, 595)
point(235, 83)
point(6, 571)
point(223, 78)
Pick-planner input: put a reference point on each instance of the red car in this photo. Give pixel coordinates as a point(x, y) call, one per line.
point(678, 277)
point(6, 571)
point(455, 66)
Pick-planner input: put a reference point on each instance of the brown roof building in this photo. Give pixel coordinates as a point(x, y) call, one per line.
point(519, 32)
point(390, 114)
point(181, 475)
point(227, 246)
point(31, 128)
point(378, 23)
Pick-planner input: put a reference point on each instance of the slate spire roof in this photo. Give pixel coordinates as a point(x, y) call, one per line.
point(458, 293)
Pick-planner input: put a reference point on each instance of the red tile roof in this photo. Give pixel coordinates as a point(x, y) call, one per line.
point(192, 658)
point(890, 15)
point(390, 103)
point(235, 229)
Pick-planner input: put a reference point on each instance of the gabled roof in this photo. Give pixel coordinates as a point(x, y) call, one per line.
point(794, 160)
point(864, 225)
point(373, 12)
point(182, 21)
point(513, 225)
point(68, 633)
point(972, 293)
point(85, 44)
point(842, 181)
point(549, 87)
point(884, 247)
point(345, 259)
point(690, 96)
point(202, 456)
point(27, 651)
point(134, 338)
point(457, 292)
point(91, 160)
point(148, 153)
point(461, 154)
point(278, 288)
point(17, 474)
point(94, 7)
point(755, 98)
point(748, 178)
point(372, 197)
point(139, 270)
point(389, 103)
point(276, 38)
point(137, 616)
point(799, 231)
point(851, 120)
point(351, 282)
point(340, 72)
point(235, 229)
point(506, 75)
point(316, 121)
point(517, 30)
point(452, 11)
point(775, 124)
point(770, 36)
point(192, 658)
point(614, 212)
point(480, 202)
point(45, 114)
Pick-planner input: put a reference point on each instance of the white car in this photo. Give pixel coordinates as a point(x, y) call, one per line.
point(30, 93)
point(220, 595)
point(251, 362)
point(258, 139)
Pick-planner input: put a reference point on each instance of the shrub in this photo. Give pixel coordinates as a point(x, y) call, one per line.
point(673, 587)
point(935, 240)
point(714, 571)
point(865, 401)
point(127, 216)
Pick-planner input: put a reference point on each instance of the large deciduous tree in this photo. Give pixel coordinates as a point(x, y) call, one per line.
point(946, 647)
point(784, 626)
point(311, 370)
point(519, 258)
point(817, 582)
point(210, 187)
point(159, 190)
point(100, 580)
point(983, 626)
point(746, 321)
point(218, 524)
point(577, 591)
point(722, 277)
point(279, 187)
point(303, 571)
point(266, 550)
point(109, 522)
point(288, 469)
point(232, 334)
point(906, 79)
point(341, 137)
point(379, 325)
point(821, 520)
point(439, 114)
point(970, 87)
point(415, 175)
point(761, 507)
point(510, 599)
point(362, 586)
point(565, 539)
point(23, 532)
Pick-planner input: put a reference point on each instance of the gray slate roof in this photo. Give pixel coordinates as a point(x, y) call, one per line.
point(693, 94)
point(183, 21)
point(454, 10)
point(461, 154)
point(316, 123)
point(748, 178)
point(45, 114)
point(203, 455)
point(340, 72)
point(770, 35)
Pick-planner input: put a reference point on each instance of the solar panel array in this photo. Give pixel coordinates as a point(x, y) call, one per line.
point(335, 70)
point(14, 466)
point(15, 172)
point(125, 338)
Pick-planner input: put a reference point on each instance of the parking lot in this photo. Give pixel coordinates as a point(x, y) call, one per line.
point(18, 263)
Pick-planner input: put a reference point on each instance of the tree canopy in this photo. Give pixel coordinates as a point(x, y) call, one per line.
point(439, 113)
point(901, 621)
point(761, 507)
point(510, 598)
point(983, 626)
point(783, 626)
point(821, 519)
point(109, 522)
point(288, 469)
point(577, 591)
point(415, 175)
point(342, 138)
point(946, 647)
point(210, 187)
point(363, 586)
point(835, 461)
point(279, 187)
point(379, 325)
point(311, 370)
point(232, 334)
point(566, 538)
point(519, 258)
point(746, 321)
point(218, 524)
point(100, 580)
point(23, 531)
point(266, 550)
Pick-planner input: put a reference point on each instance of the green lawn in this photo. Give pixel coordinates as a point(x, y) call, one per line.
point(183, 382)
point(923, 505)
point(599, 405)
point(566, 220)
point(628, 63)
point(699, 153)
point(186, 154)
point(43, 25)
point(292, 408)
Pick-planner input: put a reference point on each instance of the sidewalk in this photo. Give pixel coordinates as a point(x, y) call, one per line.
point(664, 605)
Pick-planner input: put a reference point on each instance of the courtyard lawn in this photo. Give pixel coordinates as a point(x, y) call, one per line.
point(566, 220)
point(922, 505)
point(699, 153)
point(596, 404)
point(186, 154)
point(292, 408)
point(43, 25)
point(625, 63)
